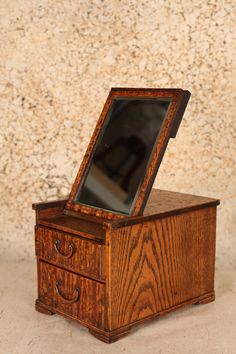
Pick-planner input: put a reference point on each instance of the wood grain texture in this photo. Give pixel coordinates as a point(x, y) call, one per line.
point(90, 305)
point(49, 209)
point(88, 257)
point(159, 264)
point(110, 336)
point(76, 226)
point(164, 203)
point(161, 202)
point(179, 98)
point(142, 267)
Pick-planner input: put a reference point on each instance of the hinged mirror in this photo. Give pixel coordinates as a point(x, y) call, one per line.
point(125, 151)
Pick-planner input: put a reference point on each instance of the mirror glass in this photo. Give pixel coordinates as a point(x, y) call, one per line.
point(122, 152)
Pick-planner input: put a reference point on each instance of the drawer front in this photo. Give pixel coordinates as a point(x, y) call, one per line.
point(71, 294)
point(70, 252)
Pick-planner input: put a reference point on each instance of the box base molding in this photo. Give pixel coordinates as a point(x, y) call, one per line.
point(107, 336)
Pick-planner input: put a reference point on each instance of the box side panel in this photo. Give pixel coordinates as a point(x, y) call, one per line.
point(156, 265)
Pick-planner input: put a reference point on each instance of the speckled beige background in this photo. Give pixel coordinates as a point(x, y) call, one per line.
point(58, 60)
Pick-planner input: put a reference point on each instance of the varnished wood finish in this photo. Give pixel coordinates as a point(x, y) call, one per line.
point(158, 264)
point(206, 300)
point(163, 203)
point(88, 257)
point(179, 99)
point(151, 265)
point(40, 308)
point(110, 336)
point(75, 226)
point(90, 305)
point(49, 209)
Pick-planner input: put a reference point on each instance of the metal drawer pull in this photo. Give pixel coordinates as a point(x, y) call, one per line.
point(68, 301)
point(72, 248)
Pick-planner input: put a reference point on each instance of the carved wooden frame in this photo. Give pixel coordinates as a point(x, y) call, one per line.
point(179, 100)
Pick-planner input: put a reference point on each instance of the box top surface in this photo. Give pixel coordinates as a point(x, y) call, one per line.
point(161, 203)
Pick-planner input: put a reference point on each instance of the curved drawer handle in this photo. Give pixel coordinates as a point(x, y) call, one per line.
point(72, 248)
point(68, 301)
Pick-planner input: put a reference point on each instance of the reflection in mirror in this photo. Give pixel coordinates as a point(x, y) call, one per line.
point(121, 154)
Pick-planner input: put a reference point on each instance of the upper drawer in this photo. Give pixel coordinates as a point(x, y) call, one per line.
point(71, 252)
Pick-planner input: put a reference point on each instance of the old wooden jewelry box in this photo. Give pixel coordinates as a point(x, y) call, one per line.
point(118, 253)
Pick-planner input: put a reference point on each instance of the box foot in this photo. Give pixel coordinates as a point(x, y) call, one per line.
point(40, 308)
point(207, 299)
point(109, 336)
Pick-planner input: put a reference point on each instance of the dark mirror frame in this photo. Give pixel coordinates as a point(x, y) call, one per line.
point(179, 99)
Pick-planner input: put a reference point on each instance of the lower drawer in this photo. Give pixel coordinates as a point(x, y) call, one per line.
point(71, 294)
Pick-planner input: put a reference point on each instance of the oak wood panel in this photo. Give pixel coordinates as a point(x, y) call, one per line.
point(90, 305)
point(87, 258)
point(158, 264)
point(116, 334)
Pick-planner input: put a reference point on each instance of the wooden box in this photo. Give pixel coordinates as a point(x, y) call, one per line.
point(111, 272)
point(113, 276)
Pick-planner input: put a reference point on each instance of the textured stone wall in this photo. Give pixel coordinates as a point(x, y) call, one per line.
point(58, 60)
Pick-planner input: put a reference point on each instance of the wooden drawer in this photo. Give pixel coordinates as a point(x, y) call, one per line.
point(71, 252)
point(70, 294)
